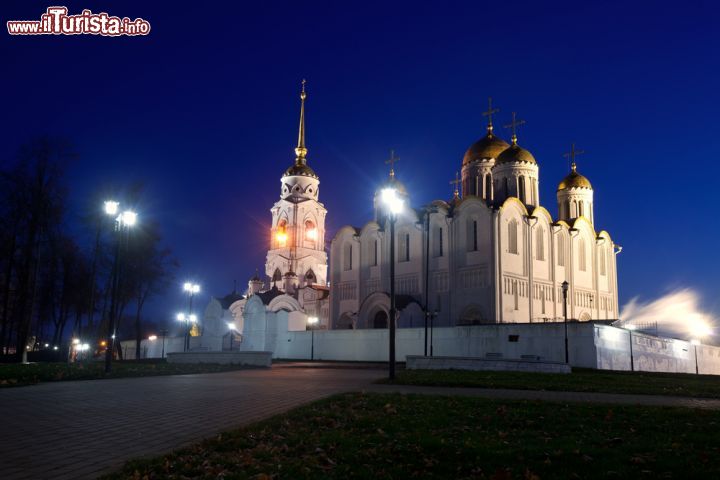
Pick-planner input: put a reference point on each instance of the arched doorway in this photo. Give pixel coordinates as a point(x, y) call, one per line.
point(380, 320)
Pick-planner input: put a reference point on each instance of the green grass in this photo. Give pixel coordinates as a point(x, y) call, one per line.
point(375, 436)
point(12, 375)
point(580, 380)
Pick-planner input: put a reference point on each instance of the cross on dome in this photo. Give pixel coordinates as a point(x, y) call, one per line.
point(571, 155)
point(513, 125)
point(392, 161)
point(489, 113)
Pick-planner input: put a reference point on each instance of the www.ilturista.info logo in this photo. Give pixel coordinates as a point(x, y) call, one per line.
point(56, 21)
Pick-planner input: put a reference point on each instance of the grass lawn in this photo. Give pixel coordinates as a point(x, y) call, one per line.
point(13, 375)
point(377, 436)
point(580, 380)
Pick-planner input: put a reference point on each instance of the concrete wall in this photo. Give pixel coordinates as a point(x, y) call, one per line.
point(589, 345)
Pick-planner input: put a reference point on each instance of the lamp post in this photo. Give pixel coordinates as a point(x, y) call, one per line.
point(187, 319)
point(695, 342)
point(232, 327)
point(191, 289)
point(565, 286)
point(123, 222)
point(395, 206)
point(163, 332)
point(630, 329)
point(312, 321)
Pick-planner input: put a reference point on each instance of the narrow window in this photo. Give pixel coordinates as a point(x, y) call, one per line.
point(407, 247)
point(475, 245)
point(581, 254)
point(375, 253)
point(521, 188)
point(581, 210)
point(439, 244)
point(488, 187)
point(540, 244)
point(512, 236)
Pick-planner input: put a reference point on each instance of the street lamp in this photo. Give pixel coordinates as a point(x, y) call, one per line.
point(312, 321)
point(233, 328)
point(188, 319)
point(395, 206)
point(123, 222)
point(191, 289)
point(430, 315)
point(695, 342)
point(565, 286)
point(631, 328)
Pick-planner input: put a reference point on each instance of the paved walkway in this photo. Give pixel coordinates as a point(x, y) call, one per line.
point(83, 429)
point(75, 430)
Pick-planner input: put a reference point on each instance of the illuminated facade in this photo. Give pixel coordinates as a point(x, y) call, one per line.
point(492, 254)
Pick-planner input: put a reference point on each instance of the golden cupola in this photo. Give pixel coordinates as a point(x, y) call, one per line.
point(574, 180)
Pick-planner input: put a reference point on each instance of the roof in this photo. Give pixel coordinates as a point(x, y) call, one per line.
point(301, 169)
point(268, 295)
point(489, 146)
point(229, 299)
point(515, 153)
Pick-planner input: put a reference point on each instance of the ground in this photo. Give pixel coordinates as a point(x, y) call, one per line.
point(85, 429)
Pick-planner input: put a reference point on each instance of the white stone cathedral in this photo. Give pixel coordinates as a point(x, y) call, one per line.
point(492, 255)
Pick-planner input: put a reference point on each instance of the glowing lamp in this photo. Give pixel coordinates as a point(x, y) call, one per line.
point(111, 208)
point(152, 338)
point(191, 288)
point(313, 320)
point(232, 326)
point(193, 318)
point(128, 218)
point(103, 343)
point(75, 341)
point(312, 234)
point(181, 317)
point(392, 201)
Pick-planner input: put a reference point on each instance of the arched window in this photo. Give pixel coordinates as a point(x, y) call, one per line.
point(521, 188)
point(581, 210)
point(487, 195)
point(310, 277)
point(277, 275)
point(506, 187)
point(347, 257)
point(561, 250)
point(281, 235)
point(540, 244)
point(438, 250)
point(375, 253)
point(311, 232)
point(535, 200)
point(567, 209)
point(407, 247)
point(581, 255)
point(512, 236)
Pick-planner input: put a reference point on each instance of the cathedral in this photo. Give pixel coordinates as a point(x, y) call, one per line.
point(491, 254)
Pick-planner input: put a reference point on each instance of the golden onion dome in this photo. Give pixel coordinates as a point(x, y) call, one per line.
point(300, 169)
point(574, 180)
point(489, 146)
point(515, 153)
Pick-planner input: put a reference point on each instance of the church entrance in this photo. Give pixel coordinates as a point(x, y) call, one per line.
point(381, 320)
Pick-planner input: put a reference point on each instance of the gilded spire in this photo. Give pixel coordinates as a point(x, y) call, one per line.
point(391, 161)
point(300, 150)
point(489, 113)
point(571, 155)
point(514, 124)
point(456, 182)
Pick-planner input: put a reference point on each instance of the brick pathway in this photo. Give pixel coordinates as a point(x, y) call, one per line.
point(75, 430)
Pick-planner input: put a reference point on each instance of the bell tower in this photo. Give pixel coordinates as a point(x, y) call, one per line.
point(297, 235)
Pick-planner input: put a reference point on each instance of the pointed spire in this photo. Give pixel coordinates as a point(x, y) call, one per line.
point(391, 161)
point(513, 125)
point(300, 150)
point(571, 155)
point(489, 113)
point(456, 182)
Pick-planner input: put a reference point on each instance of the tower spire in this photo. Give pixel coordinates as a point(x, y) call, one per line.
point(513, 125)
point(300, 150)
point(456, 182)
point(489, 113)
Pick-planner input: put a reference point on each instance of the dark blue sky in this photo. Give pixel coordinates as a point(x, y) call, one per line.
point(204, 111)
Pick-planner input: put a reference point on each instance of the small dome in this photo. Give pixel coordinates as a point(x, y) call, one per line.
point(574, 180)
point(393, 183)
point(489, 146)
point(515, 153)
point(301, 169)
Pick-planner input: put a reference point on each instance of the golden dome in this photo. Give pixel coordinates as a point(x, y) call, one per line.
point(489, 146)
point(300, 168)
point(574, 180)
point(515, 153)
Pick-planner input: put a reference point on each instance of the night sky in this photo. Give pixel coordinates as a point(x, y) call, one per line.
point(204, 111)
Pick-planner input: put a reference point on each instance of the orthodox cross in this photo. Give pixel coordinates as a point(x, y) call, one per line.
point(571, 156)
point(489, 113)
point(514, 124)
point(456, 182)
point(392, 161)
